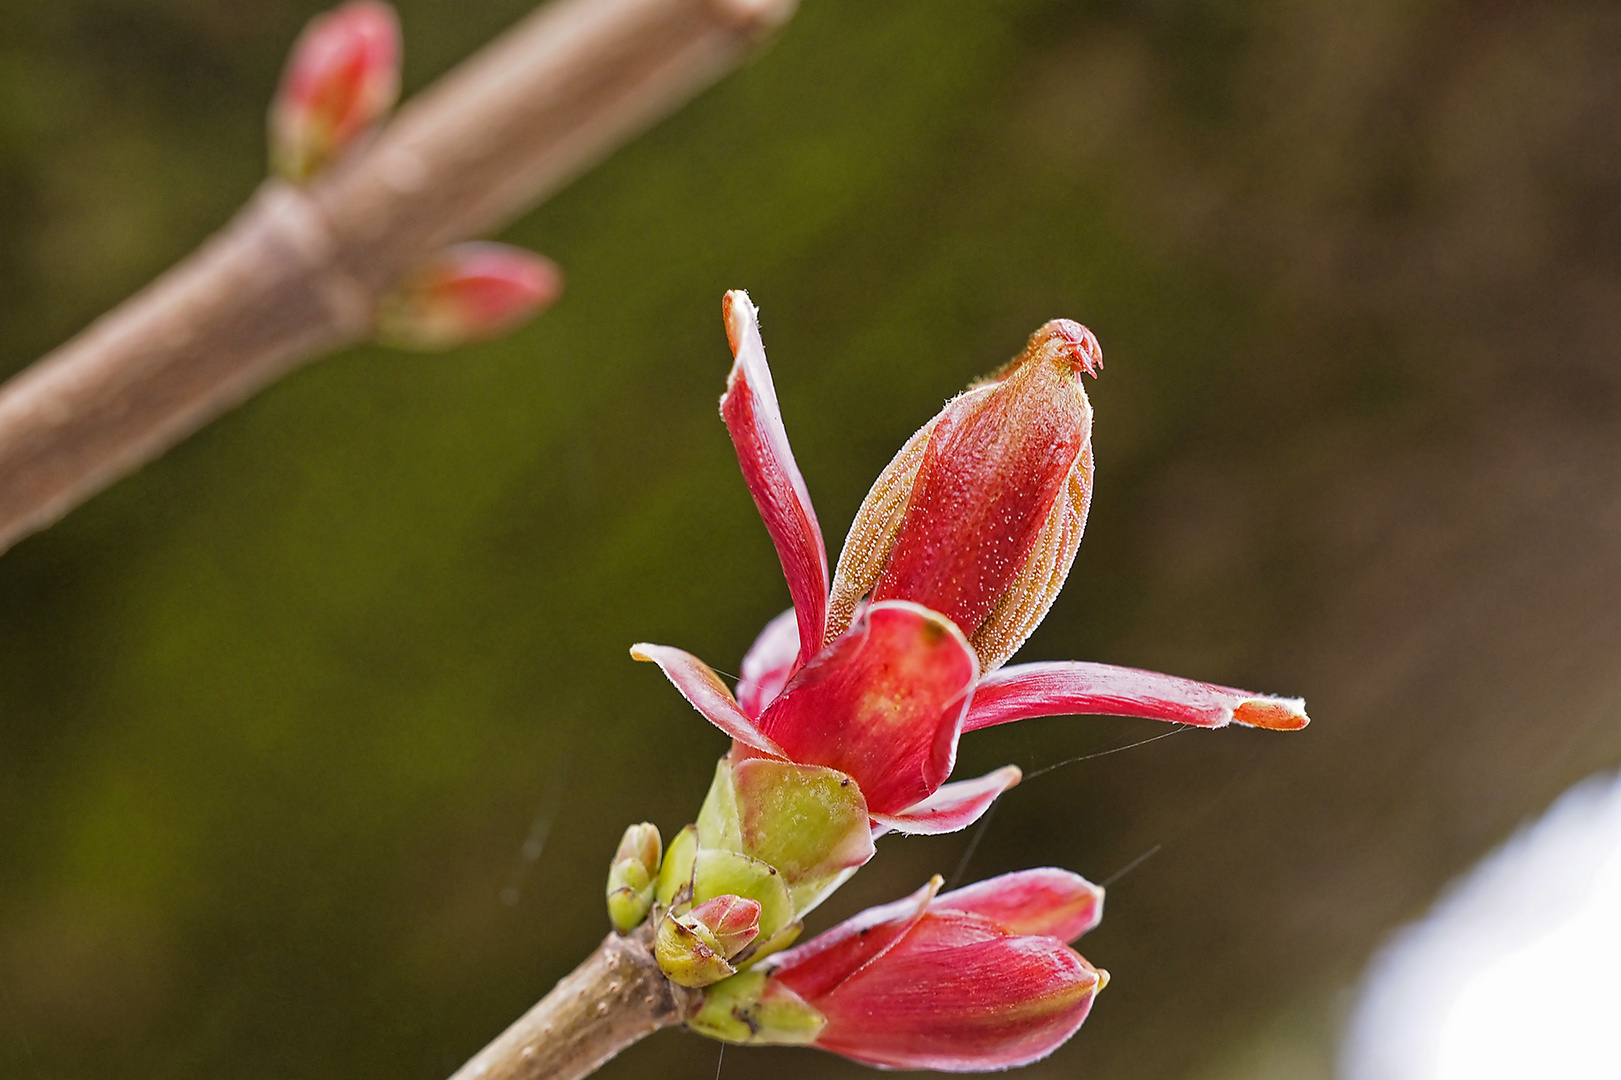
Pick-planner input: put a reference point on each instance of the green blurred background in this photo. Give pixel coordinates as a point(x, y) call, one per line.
point(316, 735)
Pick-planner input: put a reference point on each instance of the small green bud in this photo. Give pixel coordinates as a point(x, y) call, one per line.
point(750, 1008)
point(693, 949)
point(688, 955)
point(631, 877)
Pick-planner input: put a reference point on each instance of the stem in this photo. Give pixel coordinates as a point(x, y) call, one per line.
point(300, 270)
point(618, 996)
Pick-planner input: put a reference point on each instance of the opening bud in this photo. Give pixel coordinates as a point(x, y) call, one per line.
point(632, 876)
point(342, 76)
point(694, 949)
point(469, 292)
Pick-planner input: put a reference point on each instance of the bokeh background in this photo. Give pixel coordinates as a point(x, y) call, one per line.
point(316, 735)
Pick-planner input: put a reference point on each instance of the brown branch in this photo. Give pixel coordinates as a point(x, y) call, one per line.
point(299, 271)
point(617, 997)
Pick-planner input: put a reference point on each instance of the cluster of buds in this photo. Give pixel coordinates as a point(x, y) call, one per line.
point(845, 725)
point(341, 82)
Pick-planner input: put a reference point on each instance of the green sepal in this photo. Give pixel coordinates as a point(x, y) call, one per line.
point(627, 907)
point(717, 873)
point(718, 824)
point(809, 822)
point(675, 876)
point(751, 1008)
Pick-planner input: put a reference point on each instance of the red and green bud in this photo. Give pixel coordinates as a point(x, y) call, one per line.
point(342, 77)
point(469, 292)
point(980, 514)
point(632, 876)
point(975, 980)
point(845, 725)
point(693, 949)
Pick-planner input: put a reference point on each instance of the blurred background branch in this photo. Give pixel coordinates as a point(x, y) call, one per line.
point(300, 271)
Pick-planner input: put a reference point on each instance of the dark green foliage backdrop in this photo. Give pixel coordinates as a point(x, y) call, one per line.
point(281, 715)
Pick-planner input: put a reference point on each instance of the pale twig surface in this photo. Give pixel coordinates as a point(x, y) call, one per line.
point(618, 996)
point(299, 272)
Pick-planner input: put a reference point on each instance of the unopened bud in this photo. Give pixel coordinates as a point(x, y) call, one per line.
point(733, 922)
point(342, 76)
point(980, 514)
point(631, 877)
point(466, 293)
point(693, 949)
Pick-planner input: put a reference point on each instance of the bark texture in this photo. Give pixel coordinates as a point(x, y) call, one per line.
point(300, 271)
point(615, 998)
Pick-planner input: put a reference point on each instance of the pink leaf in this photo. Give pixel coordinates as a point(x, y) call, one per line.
point(953, 806)
point(750, 410)
point(819, 965)
point(991, 1004)
point(990, 478)
point(1047, 902)
point(769, 662)
point(1024, 691)
point(706, 692)
point(342, 76)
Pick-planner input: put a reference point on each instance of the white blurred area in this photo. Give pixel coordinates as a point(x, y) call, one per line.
point(1516, 972)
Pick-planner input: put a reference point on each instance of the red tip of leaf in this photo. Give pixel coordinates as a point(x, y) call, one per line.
point(1274, 714)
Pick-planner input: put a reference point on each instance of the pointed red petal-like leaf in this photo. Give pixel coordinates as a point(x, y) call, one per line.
point(954, 806)
point(994, 1004)
point(750, 410)
point(701, 687)
point(995, 466)
point(1077, 688)
point(819, 965)
point(883, 703)
point(769, 662)
point(1047, 902)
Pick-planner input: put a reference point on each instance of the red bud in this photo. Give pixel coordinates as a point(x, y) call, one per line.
point(469, 292)
point(342, 76)
point(980, 514)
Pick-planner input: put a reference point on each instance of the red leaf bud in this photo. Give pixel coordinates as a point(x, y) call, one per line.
point(342, 76)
